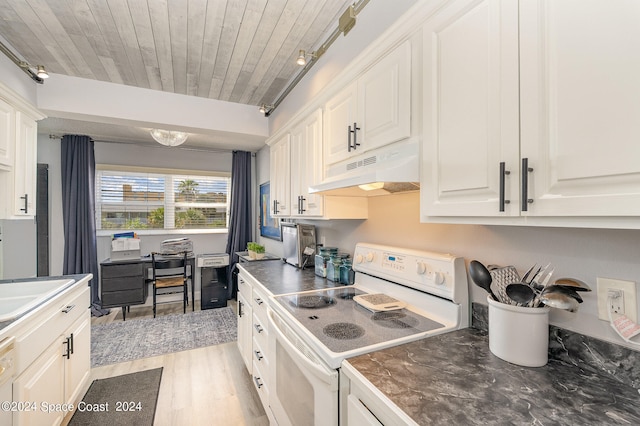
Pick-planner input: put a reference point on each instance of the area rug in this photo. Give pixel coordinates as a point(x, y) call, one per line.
point(122, 341)
point(129, 399)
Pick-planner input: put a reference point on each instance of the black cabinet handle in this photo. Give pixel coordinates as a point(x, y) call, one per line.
point(355, 143)
point(258, 328)
point(259, 301)
point(525, 185)
point(503, 174)
point(258, 355)
point(71, 340)
point(67, 342)
point(240, 309)
point(26, 203)
point(275, 206)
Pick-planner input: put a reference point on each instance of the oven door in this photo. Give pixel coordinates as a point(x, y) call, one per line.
point(304, 390)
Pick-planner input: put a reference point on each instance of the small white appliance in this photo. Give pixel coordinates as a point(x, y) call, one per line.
point(424, 293)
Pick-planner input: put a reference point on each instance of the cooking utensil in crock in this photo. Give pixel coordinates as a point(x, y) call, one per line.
point(481, 277)
point(556, 299)
point(573, 283)
point(520, 292)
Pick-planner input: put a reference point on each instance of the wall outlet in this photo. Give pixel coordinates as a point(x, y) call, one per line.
point(627, 304)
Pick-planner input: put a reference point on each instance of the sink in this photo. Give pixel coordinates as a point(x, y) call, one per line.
point(17, 298)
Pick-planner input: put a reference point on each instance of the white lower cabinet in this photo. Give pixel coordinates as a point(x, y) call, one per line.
point(245, 336)
point(53, 360)
point(362, 404)
point(253, 334)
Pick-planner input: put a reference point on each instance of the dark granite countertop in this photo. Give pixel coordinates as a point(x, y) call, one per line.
point(454, 378)
point(279, 277)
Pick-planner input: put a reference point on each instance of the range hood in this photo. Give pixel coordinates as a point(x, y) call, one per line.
point(387, 170)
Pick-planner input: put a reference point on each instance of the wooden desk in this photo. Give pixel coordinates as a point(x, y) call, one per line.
point(126, 282)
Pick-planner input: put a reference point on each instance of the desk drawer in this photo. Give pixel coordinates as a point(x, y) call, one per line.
point(119, 284)
point(123, 298)
point(122, 270)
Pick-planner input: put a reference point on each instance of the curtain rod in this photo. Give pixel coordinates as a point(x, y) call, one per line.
point(23, 65)
point(157, 146)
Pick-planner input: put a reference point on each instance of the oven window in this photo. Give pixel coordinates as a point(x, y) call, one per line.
point(294, 391)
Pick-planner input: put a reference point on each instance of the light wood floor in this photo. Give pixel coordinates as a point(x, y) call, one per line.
point(206, 386)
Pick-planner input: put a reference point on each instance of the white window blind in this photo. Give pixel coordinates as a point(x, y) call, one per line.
point(153, 200)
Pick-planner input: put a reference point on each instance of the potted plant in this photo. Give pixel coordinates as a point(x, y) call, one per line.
point(259, 249)
point(251, 248)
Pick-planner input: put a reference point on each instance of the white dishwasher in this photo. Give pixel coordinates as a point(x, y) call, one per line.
point(7, 371)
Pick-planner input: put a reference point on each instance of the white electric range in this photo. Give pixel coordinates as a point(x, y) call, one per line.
point(399, 295)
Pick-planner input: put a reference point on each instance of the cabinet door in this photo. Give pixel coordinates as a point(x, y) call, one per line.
point(470, 109)
point(580, 103)
point(7, 135)
point(25, 166)
point(384, 100)
point(41, 382)
point(306, 166)
point(245, 337)
point(78, 366)
point(280, 177)
point(339, 117)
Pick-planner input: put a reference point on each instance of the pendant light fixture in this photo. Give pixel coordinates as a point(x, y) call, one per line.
point(169, 137)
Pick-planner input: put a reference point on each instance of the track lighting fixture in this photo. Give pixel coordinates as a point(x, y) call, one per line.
point(265, 109)
point(302, 57)
point(38, 76)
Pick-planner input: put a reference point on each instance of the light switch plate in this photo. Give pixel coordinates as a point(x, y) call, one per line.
point(630, 298)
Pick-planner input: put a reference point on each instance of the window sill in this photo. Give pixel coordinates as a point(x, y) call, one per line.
point(110, 232)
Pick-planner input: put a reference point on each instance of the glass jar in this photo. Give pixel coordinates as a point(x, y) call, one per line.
point(347, 275)
point(321, 265)
point(333, 268)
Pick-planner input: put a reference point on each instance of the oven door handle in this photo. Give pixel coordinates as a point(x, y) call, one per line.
point(314, 365)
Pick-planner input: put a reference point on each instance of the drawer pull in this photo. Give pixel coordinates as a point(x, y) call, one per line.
point(258, 328)
point(258, 382)
point(258, 355)
point(68, 309)
point(259, 301)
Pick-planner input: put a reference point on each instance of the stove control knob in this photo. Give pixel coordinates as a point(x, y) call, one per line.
point(421, 268)
point(359, 258)
point(438, 278)
point(369, 256)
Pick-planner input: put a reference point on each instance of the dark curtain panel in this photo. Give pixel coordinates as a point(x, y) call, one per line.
point(239, 212)
point(78, 211)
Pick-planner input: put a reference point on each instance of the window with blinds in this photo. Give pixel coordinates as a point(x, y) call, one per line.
point(160, 200)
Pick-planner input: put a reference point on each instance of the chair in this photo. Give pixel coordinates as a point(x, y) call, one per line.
point(170, 272)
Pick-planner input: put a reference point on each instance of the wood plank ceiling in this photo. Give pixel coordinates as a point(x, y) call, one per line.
point(241, 51)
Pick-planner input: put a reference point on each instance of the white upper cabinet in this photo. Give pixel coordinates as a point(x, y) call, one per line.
point(306, 166)
point(373, 111)
point(530, 110)
point(280, 186)
point(470, 109)
point(18, 159)
point(295, 165)
point(25, 171)
point(7, 135)
point(580, 104)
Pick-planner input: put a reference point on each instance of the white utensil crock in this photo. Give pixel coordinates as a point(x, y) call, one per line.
point(519, 335)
